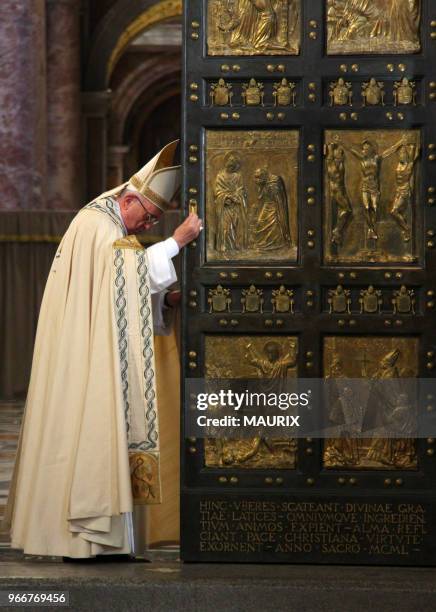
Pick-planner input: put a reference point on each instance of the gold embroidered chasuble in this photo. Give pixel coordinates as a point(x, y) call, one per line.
point(89, 446)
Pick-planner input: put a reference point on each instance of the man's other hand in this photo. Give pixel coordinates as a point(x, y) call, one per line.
point(172, 298)
point(188, 230)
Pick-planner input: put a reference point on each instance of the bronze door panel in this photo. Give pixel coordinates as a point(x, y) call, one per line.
point(251, 195)
point(369, 357)
point(253, 27)
point(375, 26)
point(377, 170)
point(264, 357)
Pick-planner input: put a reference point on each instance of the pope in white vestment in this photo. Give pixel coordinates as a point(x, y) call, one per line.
point(89, 446)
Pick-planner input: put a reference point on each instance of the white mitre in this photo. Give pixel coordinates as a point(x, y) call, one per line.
point(159, 180)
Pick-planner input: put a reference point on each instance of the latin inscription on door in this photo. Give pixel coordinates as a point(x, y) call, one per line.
point(333, 528)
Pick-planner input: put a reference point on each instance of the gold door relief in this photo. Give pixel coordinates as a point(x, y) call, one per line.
point(341, 93)
point(373, 26)
point(251, 199)
point(405, 92)
point(253, 27)
point(370, 357)
point(373, 92)
point(371, 196)
point(243, 357)
point(308, 130)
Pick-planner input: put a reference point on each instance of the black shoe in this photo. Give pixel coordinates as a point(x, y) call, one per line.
point(106, 559)
point(78, 559)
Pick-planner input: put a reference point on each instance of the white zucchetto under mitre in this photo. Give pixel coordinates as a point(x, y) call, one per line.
point(159, 180)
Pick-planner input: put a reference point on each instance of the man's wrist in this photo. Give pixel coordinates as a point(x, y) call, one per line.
point(165, 301)
point(172, 247)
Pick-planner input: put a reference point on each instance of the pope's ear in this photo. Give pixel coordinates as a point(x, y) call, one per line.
point(126, 200)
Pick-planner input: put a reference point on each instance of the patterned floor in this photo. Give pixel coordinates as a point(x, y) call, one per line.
point(10, 421)
point(11, 414)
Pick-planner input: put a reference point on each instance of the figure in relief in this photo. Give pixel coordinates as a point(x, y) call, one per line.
point(373, 26)
point(351, 19)
point(373, 93)
point(231, 206)
point(221, 93)
point(379, 176)
point(272, 364)
point(405, 174)
point(257, 24)
point(282, 300)
point(252, 93)
point(253, 27)
point(370, 163)
point(341, 93)
point(271, 367)
point(236, 452)
point(335, 162)
point(404, 20)
point(371, 300)
point(405, 92)
point(404, 301)
point(251, 195)
point(284, 93)
point(383, 449)
point(346, 410)
point(271, 228)
point(384, 404)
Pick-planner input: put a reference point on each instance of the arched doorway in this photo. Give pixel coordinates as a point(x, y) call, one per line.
point(161, 126)
point(145, 109)
point(136, 49)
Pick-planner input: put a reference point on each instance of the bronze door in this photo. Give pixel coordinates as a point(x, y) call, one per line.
point(309, 147)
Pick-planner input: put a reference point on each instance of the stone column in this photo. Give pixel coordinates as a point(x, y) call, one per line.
point(63, 104)
point(22, 104)
point(115, 175)
point(95, 109)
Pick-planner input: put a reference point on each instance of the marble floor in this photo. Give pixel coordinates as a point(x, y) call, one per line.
point(10, 421)
point(11, 414)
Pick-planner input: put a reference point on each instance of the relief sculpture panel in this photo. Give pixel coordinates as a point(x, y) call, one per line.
point(381, 358)
point(251, 195)
point(243, 357)
point(371, 196)
point(254, 27)
point(373, 26)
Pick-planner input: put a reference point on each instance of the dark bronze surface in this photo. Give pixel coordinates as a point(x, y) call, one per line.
point(353, 248)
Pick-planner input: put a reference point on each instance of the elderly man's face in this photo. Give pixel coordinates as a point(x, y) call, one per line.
point(259, 177)
point(139, 214)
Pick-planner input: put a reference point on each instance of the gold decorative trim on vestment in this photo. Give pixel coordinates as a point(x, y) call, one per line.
point(128, 242)
point(145, 478)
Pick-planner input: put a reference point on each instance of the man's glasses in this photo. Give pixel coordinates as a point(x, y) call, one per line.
point(149, 218)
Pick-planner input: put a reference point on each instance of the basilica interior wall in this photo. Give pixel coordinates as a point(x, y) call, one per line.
point(70, 129)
